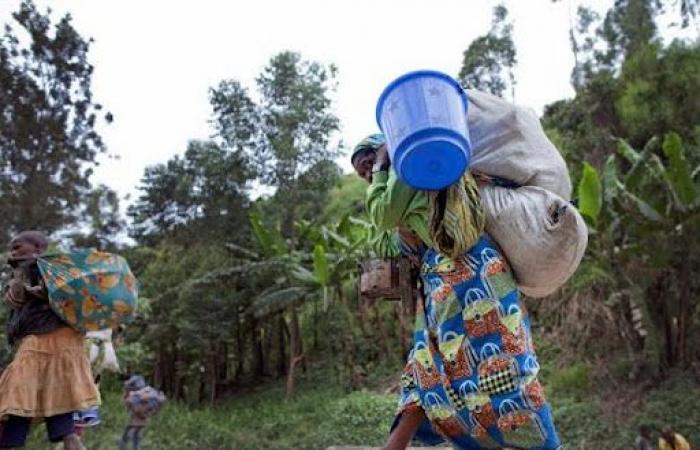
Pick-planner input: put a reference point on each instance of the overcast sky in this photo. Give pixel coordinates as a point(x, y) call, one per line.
point(155, 60)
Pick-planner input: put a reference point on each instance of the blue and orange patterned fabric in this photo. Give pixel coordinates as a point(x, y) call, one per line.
point(472, 368)
point(146, 401)
point(90, 290)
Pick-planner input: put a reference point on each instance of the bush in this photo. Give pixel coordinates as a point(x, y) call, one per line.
point(573, 381)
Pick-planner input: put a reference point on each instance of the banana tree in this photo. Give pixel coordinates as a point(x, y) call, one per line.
point(317, 271)
point(647, 219)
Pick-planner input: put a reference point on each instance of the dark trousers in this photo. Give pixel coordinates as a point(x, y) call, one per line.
point(135, 433)
point(15, 430)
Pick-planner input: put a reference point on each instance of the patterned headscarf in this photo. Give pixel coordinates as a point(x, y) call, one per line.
point(371, 142)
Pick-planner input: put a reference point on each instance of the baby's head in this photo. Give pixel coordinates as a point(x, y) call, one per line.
point(28, 244)
point(134, 383)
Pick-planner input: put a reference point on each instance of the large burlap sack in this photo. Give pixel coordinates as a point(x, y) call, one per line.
point(542, 235)
point(508, 141)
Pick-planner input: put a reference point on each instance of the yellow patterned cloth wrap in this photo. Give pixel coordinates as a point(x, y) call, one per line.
point(90, 290)
point(457, 217)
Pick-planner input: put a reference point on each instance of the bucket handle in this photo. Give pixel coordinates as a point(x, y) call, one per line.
point(494, 350)
point(420, 345)
point(474, 295)
point(435, 403)
point(488, 255)
point(531, 365)
point(469, 384)
point(449, 336)
point(508, 407)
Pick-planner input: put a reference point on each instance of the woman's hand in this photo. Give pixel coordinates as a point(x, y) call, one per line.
point(382, 159)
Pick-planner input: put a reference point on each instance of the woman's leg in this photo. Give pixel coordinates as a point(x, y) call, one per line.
point(406, 428)
point(73, 442)
point(61, 428)
point(14, 432)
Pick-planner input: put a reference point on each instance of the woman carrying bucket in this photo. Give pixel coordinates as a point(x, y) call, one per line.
point(461, 383)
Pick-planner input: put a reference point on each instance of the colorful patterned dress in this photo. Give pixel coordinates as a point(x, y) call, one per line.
point(472, 368)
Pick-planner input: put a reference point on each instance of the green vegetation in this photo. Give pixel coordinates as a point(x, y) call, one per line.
point(250, 320)
point(322, 415)
point(315, 419)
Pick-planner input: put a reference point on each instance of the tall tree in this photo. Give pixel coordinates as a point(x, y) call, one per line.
point(628, 26)
point(289, 131)
point(48, 140)
point(287, 137)
point(202, 194)
point(583, 42)
point(689, 9)
point(489, 61)
point(632, 93)
point(102, 218)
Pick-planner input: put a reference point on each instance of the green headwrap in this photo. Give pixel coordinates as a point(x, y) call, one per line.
point(371, 142)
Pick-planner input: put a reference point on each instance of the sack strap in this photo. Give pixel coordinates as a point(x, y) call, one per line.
point(482, 178)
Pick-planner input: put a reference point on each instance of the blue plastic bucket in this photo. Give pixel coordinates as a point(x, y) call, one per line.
point(423, 115)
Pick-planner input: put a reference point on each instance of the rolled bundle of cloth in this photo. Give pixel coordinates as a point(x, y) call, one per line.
point(101, 351)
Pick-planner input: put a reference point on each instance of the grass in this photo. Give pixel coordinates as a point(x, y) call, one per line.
point(322, 415)
point(316, 419)
point(609, 417)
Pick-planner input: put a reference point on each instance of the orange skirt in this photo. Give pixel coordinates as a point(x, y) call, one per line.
point(49, 375)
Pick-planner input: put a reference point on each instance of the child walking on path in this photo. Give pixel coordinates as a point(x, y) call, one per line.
point(49, 377)
point(142, 402)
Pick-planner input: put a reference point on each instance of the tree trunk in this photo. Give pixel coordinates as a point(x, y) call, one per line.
point(295, 355)
point(315, 325)
point(289, 193)
point(214, 373)
point(239, 347)
point(158, 375)
point(683, 313)
point(348, 350)
point(383, 336)
point(290, 377)
point(201, 393)
point(657, 306)
point(669, 336)
point(222, 358)
point(257, 348)
point(282, 355)
point(175, 376)
point(268, 347)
